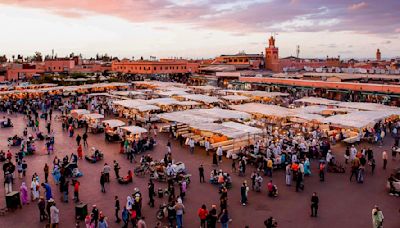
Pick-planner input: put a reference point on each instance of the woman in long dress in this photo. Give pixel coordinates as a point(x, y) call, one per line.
point(129, 203)
point(307, 170)
point(56, 174)
point(288, 174)
point(24, 193)
point(35, 186)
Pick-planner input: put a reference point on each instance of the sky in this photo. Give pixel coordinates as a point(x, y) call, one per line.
point(200, 28)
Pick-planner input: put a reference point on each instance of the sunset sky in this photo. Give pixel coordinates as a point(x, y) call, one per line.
point(200, 28)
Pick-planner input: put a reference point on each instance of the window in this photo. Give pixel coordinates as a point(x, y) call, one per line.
point(155, 68)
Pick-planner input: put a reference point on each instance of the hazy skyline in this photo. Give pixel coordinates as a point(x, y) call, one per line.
point(199, 28)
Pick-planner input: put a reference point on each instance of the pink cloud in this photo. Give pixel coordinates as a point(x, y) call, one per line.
point(237, 16)
point(357, 6)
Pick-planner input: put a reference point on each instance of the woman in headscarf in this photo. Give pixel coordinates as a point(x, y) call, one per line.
point(56, 174)
point(35, 186)
point(24, 193)
point(129, 203)
point(307, 170)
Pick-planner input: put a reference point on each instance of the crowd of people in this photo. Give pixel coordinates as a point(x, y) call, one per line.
point(290, 151)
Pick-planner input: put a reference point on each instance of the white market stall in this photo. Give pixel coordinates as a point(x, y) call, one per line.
point(94, 122)
point(133, 132)
point(111, 129)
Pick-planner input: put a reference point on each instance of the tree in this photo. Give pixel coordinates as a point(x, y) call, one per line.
point(37, 57)
point(3, 59)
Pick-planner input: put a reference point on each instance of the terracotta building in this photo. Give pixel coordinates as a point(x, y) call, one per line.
point(164, 66)
point(59, 65)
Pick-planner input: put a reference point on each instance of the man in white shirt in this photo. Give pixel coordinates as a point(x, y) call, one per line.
point(219, 154)
point(191, 145)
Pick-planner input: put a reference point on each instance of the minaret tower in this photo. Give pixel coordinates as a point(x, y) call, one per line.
point(378, 55)
point(272, 56)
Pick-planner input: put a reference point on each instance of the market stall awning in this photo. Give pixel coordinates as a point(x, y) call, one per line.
point(80, 111)
point(114, 123)
point(130, 103)
point(316, 100)
point(126, 93)
point(145, 108)
point(134, 129)
point(359, 119)
point(242, 127)
point(263, 109)
point(235, 98)
point(201, 98)
point(93, 116)
point(203, 115)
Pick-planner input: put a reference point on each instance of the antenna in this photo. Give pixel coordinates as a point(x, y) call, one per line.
point(297, 51)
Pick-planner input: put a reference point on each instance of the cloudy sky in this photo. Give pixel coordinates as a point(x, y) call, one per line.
point(200, 28)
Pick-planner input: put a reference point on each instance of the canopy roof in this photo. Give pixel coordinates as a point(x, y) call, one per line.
point(256, 93)
point(204, 88)
point(235, 98)
point(80, 111)
point(359, 119)
point(263, 109)
point(145, 108)
point(201, 98)
point(130, 103)
point(163, 101)
point(114, 123)
point(203, 115)
point(242, 127)
point(126, 93)
point(366, 106)
point(134, 129)
point(171, 93)
point(316, 100)
point(93, 116)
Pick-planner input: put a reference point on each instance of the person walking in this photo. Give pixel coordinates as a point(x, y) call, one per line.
point(214, 159)
point(212, 217)
point(384, 157)
point(373, 165)
point(85, 137)
point(191, 145)
point(76, 191)
point(288, 175)
point(243, 193)
point(125, 217)
point(106, 172)
point(102, 182)
point(322, 171)
point(24, 194)
point(202, 213)
point(80, 152)
point(117, 208)
point(42, 209)
point(201, 173)
point(95, 217)
point(179, 208)
point(116, 169)
point(377, 217)
point(46, 172)
point(219, 154)
point(54, 215)
point(314, 204)
point(224, 218)
point(78, 139)
point(152, 193)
